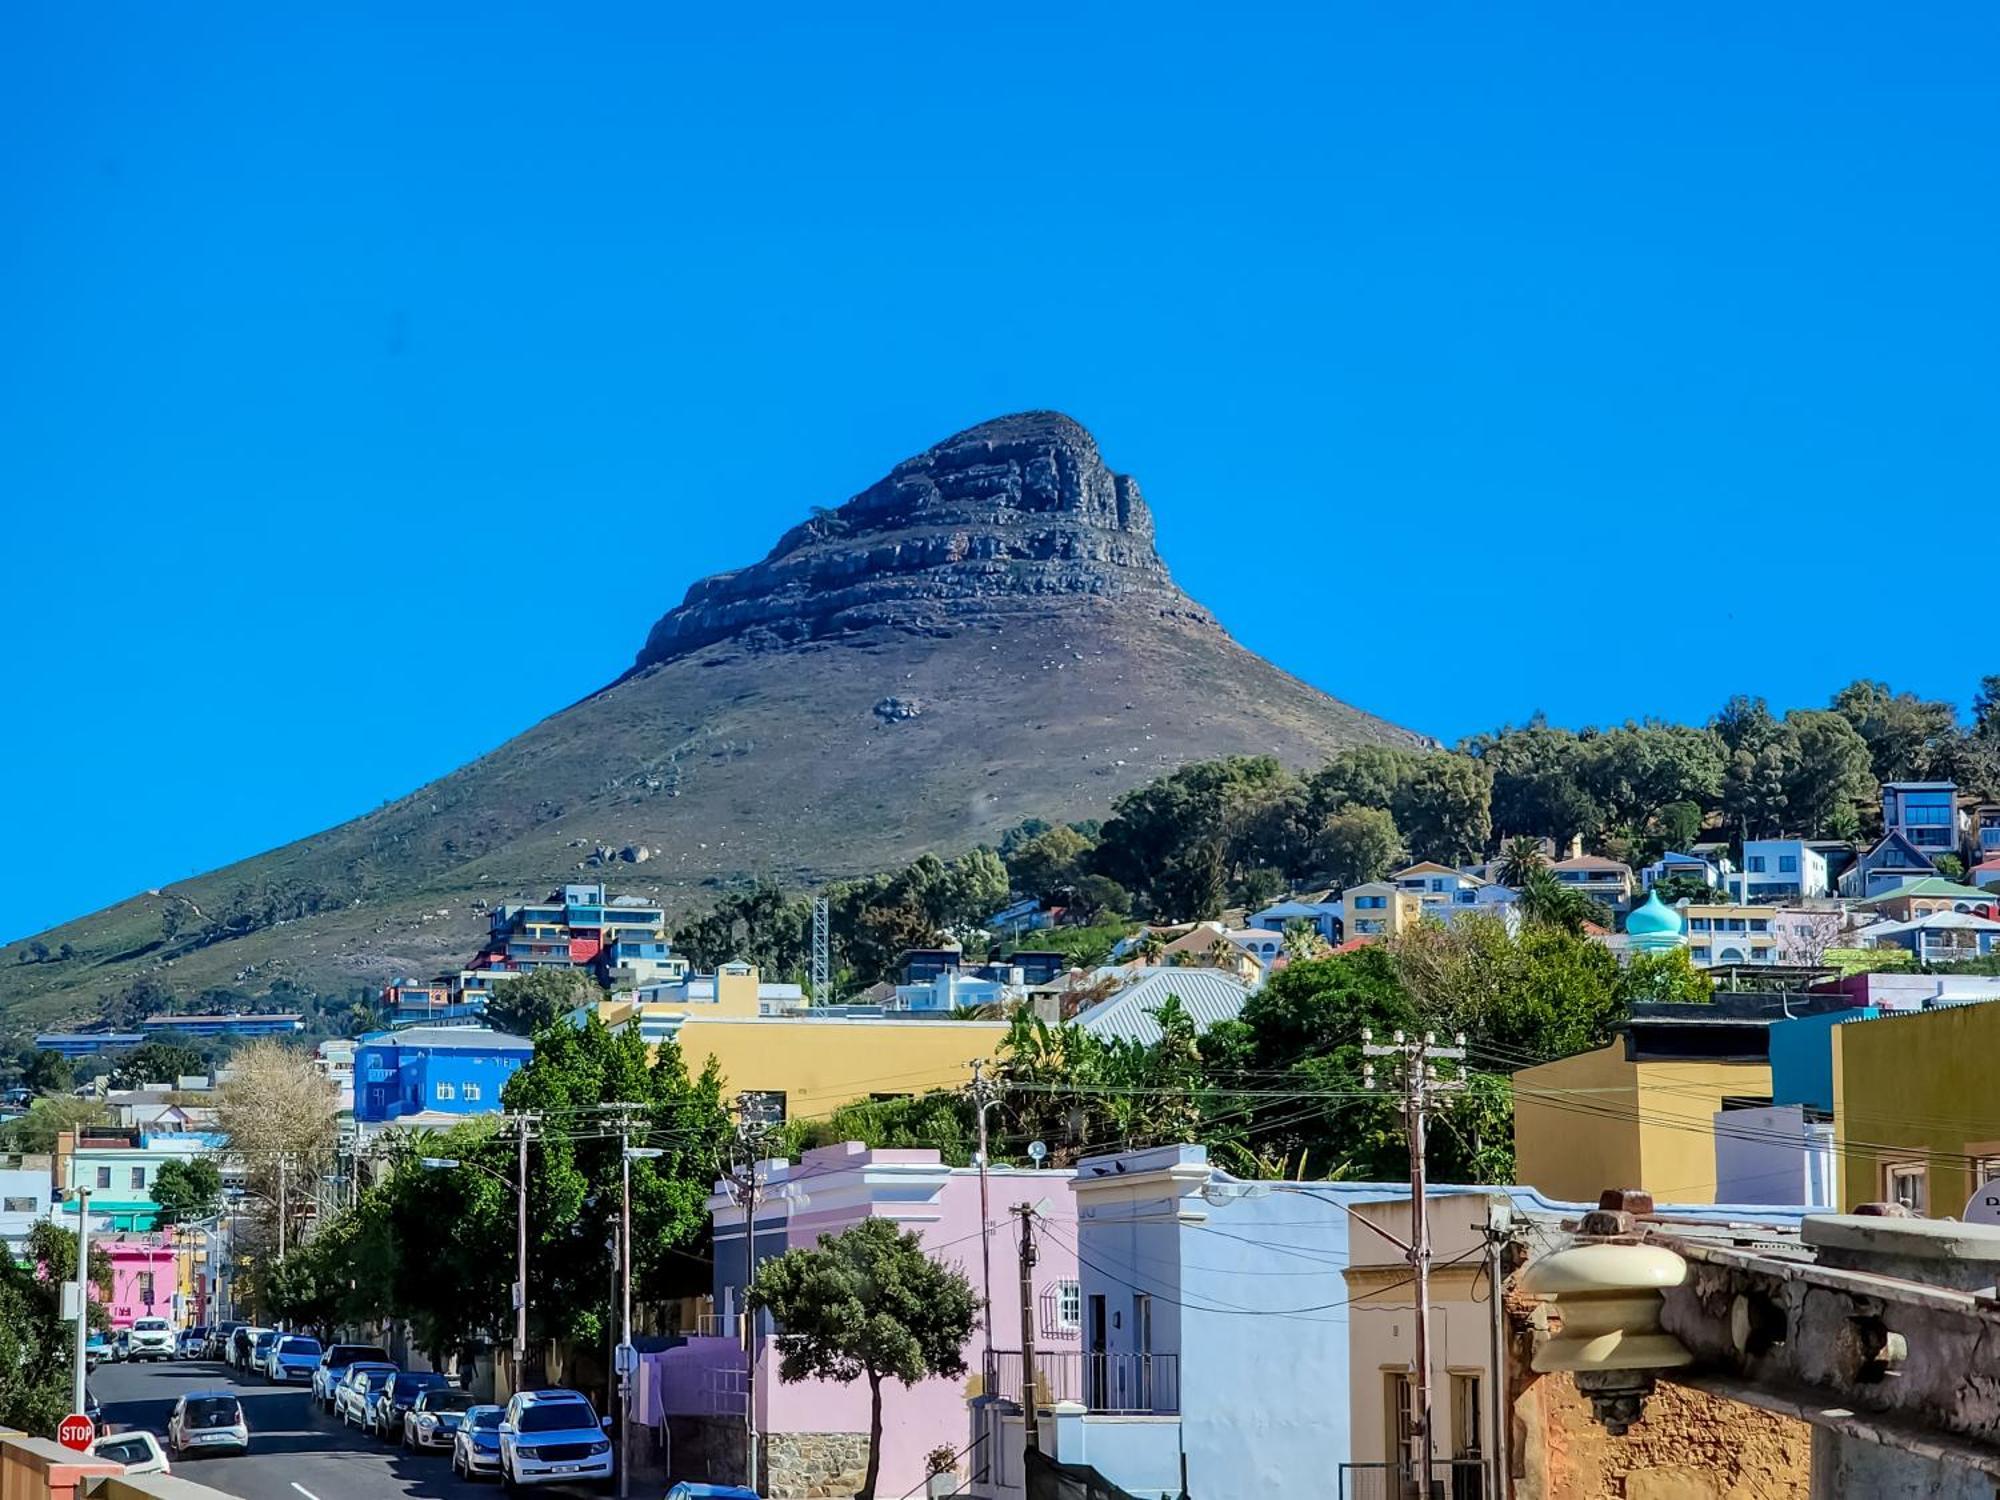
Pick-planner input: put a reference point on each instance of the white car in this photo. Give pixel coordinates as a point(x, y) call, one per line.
point(354, 1395)
point(552, 1437)
point(208, 1422)
point(140, 1452)
point(152, 1338)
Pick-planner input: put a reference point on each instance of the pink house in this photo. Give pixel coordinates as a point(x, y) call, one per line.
point(144, 1277)
point(815, 1433)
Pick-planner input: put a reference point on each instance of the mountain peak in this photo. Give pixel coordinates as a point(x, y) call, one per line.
point(1018, 507)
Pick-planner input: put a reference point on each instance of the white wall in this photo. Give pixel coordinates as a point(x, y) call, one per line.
point(1773, 1155)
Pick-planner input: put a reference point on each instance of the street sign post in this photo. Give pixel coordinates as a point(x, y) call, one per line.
point(76, 1432)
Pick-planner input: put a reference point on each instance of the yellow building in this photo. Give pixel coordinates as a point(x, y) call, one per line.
point(1376, 909)
point(1610, 1119)
point(803, 1065)
point(1916, 1118)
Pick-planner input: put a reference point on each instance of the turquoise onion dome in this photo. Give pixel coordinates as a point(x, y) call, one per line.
point(1654, 923)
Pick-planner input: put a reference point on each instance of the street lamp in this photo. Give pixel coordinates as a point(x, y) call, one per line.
point(627, 1360)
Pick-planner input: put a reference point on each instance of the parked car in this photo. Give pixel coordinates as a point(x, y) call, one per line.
point(293, 1359)
point(93, 1409)
point(244, 1344)
point(208, 1422)
point(260, 1352)
point(385, 1412)
point(434, 1417)
point(151, 1338)
point(356, 1393)
point(95, 1348)
point(695, 1490)
point(222, 1340)
point(335, 1362)
point(193, 1343)
point(475, 1448)
point(121, 1346)
point(552, 1437)
point(139, 1451)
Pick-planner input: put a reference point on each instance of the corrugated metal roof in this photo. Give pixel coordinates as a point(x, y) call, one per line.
point(1208, 995)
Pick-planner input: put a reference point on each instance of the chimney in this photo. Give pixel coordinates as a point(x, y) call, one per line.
point(1575, 847)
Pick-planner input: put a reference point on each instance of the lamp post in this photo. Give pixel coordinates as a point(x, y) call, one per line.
point(627, 1360)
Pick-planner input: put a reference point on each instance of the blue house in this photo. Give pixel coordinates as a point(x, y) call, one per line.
point(450, 1070)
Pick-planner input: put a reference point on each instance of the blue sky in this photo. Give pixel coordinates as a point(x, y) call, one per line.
point(371, 378)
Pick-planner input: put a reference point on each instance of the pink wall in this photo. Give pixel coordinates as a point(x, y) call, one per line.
point(130, 1264)
point(839, 1186)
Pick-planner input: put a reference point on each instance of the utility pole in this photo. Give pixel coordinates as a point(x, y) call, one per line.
point(626, 1360)
point(523, 1123)
point(822, 964)
point(1416, 1077)
point(281, 1205)
point(985, 1093)
point(82, 1364)
point(1030, 1425)
point(1498, 1219)
point(743, 1188)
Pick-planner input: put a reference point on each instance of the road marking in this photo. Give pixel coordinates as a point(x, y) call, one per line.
point(304, 1491)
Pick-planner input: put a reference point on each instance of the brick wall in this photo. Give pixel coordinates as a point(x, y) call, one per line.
point(1688, 1446)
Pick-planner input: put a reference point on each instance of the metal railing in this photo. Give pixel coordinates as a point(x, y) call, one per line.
point(1111, 1384)
point(1451, 1479)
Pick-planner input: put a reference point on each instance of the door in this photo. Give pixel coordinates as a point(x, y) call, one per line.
point(1138, 1392)
point(1093, 1355)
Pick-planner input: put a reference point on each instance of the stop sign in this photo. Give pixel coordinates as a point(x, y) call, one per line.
point(76, 1431)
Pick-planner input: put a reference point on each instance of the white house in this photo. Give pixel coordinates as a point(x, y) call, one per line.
point(1779, 870)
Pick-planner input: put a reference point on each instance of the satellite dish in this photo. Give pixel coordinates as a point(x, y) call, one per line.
point(1037, 1152)
point(1983, 1207)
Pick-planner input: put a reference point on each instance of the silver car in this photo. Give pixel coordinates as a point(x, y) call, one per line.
point(208, 1422)
point(354, 1396)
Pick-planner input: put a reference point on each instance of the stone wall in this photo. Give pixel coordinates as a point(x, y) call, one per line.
point(708, 1449)
point(814, 1465)
point(1688, 1446)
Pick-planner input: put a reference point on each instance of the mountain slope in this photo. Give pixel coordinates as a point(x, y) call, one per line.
point(987, 633)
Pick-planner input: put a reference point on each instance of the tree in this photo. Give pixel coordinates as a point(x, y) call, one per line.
point(1358, 844)
point(1676, 888)
point(277, 1108)
point(1520, 860)
point(1304, 941)
point(1830, 771)
point(1667, 976)
point(47, 1118)
point(37, 1343)
point(187, 1190)
point(1048, 862)
point(1908, 738)
point(526, 1003)
point(1445, 809)
point(1259, 887)
point(1950, 866)
point(870, 1304)
point(1365, 776)
point(1546, 902)
point(156, 1062)
point(47, 1072)
point(1096, 896)
point(1679, 824)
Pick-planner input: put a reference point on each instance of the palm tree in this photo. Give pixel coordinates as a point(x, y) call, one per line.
point(1520, 860)
point(1546, 902)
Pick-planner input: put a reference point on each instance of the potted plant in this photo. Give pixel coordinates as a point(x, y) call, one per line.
point(941, 1472)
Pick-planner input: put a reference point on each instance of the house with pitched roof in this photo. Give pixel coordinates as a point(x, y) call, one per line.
point(1207, 995)
point(1894, 861)
point(1606, 881)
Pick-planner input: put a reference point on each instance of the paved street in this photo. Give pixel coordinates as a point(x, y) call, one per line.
point(295, 1450)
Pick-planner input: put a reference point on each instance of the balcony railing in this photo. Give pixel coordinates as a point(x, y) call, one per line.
point(1451, 1479)
point(1112, 1384)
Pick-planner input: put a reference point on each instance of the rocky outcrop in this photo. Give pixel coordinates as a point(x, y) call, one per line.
point(1022, 507)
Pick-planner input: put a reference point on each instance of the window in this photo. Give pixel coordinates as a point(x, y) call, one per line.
point(1788, 864)
point(1367, 927)
point(1755, 864)
point(1905, 1183)
point(1400, 1408)
point(104, 1177)
point(146, 1287)
point(1700, 955)
point(138, 1177)
point(763, 1106)
point(444, 1091)
point(125, 1450)
point(1760, 924)
point(1069, 1305)
point(18, 1205)
point(1985, 1169)
point(1465, 1410)
point(471, 1092)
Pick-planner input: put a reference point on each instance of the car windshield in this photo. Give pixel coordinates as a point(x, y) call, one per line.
point(407, 1386)
point(558, 1416)
point(448, 1401)
point(349, 1354)
point(299, 1347)
point(149, 1325)
point(486, 1419)
point(213, 1411)
point(375, 1380)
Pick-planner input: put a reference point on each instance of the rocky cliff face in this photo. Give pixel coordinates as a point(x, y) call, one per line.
point(1016, 508)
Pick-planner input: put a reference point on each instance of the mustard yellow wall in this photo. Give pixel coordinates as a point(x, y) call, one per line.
point(1595, 1121)
point(1564, 1145)
point(1916, 1088)
point(820, 1065)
